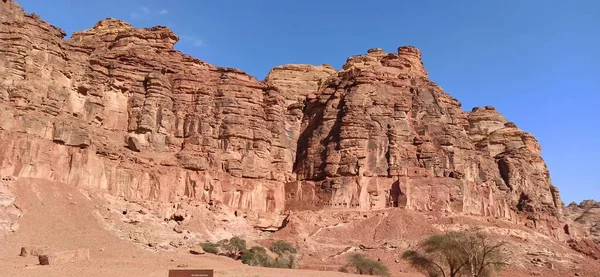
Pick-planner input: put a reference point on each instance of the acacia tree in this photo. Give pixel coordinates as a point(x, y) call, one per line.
point(484, 255)
point(234, 247)
point(456, 254)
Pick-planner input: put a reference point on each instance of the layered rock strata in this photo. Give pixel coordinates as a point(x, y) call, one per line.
point(117, 108)
point(379, 134)
point(583, 220)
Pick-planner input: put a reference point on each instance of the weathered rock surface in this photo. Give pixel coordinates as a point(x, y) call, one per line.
point(587, 247)
point(117, 108)
point(9, 212)
point(584, 220)
point(380, 134)
point(295, 83)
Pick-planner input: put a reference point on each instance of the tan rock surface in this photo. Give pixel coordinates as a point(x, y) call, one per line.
point(584, 220)
point(296, 83)
point(9, 211)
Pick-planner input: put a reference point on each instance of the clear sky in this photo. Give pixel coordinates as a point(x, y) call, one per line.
point(536, 61)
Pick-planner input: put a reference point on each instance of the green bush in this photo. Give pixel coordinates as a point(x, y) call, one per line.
point(256, 256)
point(286, 260)
point(237, 244)
point(281, 247)
point(234, 246)
point(210, 247)
point(366, 266)
point(466, 253)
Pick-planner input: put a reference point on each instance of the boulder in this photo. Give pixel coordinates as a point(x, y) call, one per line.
point(134, 144)
point(197, 250)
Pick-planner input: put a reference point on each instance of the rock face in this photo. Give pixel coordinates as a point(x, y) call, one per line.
point(380, 134)
point(117, 108)
point(584, 220)
point(295, 83)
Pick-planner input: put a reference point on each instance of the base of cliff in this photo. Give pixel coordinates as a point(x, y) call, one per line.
point(128, 238)
point(65, 218)
point(328, 238)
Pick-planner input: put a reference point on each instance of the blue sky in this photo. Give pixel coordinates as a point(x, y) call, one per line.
point(537, 61)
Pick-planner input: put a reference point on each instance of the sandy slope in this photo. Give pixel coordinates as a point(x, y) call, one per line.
point(61, 217)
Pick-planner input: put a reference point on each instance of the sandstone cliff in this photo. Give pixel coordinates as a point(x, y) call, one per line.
point(379, 134)
point(117, 108)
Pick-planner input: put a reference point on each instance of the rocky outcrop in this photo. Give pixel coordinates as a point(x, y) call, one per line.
point(117, 108)
point(584, 220)
point(9, 211)
point(295, 83)
point(587, 247)
point(380, 134)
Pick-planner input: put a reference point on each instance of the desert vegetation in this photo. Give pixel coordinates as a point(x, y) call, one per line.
point(282, 247)
point(359, 263)
point(281, 254)
point(456, 254)
point(210, 247)
point(233, 247)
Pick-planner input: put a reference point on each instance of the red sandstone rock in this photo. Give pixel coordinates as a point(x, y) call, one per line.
point(586, 247)
point(380, 134)
point(117, 108)
point(78, 111)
